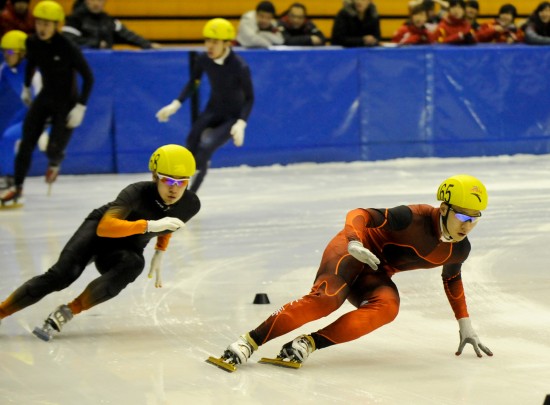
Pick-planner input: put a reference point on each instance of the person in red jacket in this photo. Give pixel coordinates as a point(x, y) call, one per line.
point(502, 29)
point(454, 28)
point(358, 265)
point(16, 16)
point(414, 31)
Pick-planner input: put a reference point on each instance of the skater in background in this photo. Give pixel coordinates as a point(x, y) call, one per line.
point(114, 236)
point(230, 102)
point(59, 60)
point(12, 72)
point(358, 265)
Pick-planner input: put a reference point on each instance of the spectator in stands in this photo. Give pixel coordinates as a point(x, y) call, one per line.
point(454, 28)
point(471, 13)
point(298, 30)
point(16, 16)
point(231, 97)
point(258, 28)
point(502, 29)
point(537, 27)
point(434, 16)
point(59, 61)
point(414, 31)
point(90, 26)
point(356, 24)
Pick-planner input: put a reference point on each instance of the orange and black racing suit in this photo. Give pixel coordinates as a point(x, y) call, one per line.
point(114, 237)
point(403, 238)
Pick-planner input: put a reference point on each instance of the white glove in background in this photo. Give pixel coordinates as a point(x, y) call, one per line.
point(76, 115)
point(43, 141)
point(155, 268)
point(26, 96)
point(165, 224)
point(357, 250)
point(468, 335)
point(237, 132)
point(165, 112)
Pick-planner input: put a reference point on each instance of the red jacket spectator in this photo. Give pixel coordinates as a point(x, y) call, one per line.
point(414, 31)
point(17, 16)
point(453, 30)
point(494, 31)
point(409, 34)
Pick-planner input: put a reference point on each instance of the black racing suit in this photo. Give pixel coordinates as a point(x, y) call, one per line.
point(119, 260)
point(231, 98)
point(58, 60)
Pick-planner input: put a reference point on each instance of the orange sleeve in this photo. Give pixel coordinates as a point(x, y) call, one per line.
point(112, 225)
point(454, 289)
point(162, 241)
point(356, 224)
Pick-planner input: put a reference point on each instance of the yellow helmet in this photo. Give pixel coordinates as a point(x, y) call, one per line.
point(463, 191)
point(219, 28)
point(173, 160)
point(14, 40)
point(49, 10)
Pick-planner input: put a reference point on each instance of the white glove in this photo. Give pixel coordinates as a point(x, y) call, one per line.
point(237, 132)
point(165, 224)
point(357, 250)
point(165, 112)
point(43, 141)
point(468, 335)
point(26, 96)
point(155, 268)
point(76, 115)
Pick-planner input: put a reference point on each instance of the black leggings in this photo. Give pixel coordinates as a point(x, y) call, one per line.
point(118, 268)
point(209, 133)
point(40, 111)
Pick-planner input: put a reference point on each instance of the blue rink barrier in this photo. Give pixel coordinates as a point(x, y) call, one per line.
point(322, 105)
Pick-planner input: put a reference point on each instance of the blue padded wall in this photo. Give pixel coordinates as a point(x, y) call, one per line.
point(319, 105)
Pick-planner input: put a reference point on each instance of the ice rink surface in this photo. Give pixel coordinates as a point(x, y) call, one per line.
point(262, 230)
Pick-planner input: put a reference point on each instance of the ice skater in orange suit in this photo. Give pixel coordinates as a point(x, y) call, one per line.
point(358, 265)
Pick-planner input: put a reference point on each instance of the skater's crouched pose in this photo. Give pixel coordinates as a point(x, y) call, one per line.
point(358, 265)
point(114, 236)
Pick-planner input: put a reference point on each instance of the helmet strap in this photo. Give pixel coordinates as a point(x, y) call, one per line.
point(445, 234)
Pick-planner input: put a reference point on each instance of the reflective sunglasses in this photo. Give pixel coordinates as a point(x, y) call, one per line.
point(10, 51)
point(169, 181)
point(465, 218)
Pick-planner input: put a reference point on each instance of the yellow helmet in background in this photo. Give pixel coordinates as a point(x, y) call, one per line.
point(49, 10)
point(173, 160)
point(14, 40)
point(219, 28)
point(463, 191)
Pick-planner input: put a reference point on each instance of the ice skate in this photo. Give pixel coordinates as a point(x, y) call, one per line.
point(51, 177)
point(53, 323)
point(11, 197)
point(294, 353)
point(236, 353)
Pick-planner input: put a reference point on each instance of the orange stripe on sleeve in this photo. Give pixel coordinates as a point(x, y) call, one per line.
point(112, 226)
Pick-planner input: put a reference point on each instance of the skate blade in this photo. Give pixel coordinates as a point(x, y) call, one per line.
point(41, 334)
point(11, 206)
point(219, 362)
point(280, 362)
point(49, 193)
